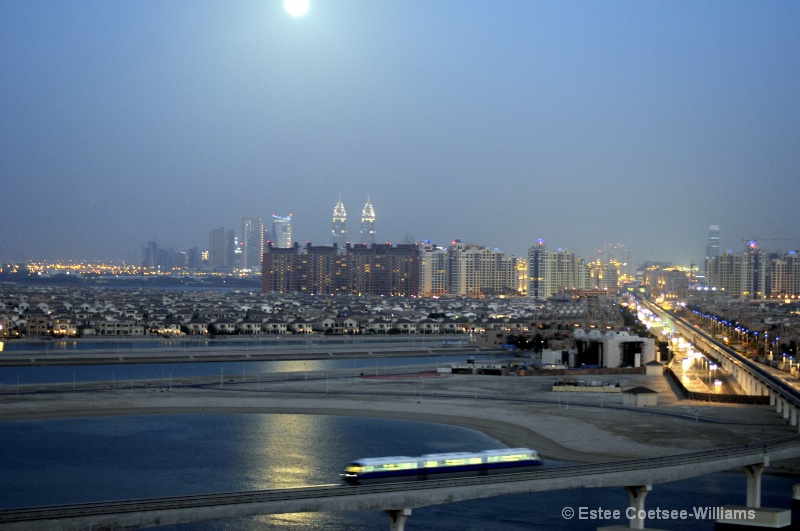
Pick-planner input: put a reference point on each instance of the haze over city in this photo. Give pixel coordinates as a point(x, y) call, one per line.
point(496, 123)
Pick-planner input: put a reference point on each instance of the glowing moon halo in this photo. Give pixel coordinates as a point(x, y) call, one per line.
point(296, 8)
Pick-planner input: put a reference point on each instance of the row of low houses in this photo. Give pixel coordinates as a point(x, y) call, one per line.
point(81, 312)
point(36, 323)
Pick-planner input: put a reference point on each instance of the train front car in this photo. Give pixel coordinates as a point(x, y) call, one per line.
point(440, 466)
point(381, 470)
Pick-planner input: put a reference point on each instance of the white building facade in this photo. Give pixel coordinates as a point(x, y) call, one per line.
point(551, 272)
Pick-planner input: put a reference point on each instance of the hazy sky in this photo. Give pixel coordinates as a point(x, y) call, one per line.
point(494, 122)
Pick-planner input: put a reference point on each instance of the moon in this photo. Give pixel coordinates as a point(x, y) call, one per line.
point(296, 8)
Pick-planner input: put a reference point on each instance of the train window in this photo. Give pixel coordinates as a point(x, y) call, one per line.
point(399, 466)
point(507, 458)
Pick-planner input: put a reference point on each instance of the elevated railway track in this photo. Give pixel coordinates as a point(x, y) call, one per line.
point(394, 498)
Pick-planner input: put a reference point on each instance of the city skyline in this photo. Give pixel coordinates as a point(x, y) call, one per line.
point(496, 124)
point(617, 251)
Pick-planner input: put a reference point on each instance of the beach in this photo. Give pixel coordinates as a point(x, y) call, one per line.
point(517, 411)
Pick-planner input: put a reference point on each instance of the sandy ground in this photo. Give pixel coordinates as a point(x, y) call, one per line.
point(518, 411)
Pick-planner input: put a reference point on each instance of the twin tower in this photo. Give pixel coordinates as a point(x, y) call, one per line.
point(339, 229)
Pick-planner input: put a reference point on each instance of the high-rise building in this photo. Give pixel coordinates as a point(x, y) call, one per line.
point(282, 231)
point(603, 275)
point(156, 259)
point(621, 254)
point(150, 256)
point(784, 275)
point(666, 281)
point(252, 243)
point(474, 270)
point(432, 270)
point(193, 259)
point(739, 275)
point(551, 272)
point(221, 248)
point(712, 248)
point(521, 275)
point(368, 224)
point(376, 270)
point(278, 271)
point(339, 230)
point(383, 269)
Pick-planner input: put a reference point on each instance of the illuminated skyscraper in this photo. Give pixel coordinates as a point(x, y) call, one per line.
point(368, 224)
point(712, 249)
point(378, 270)
point(252, 243)
point(339, 229)
point(603, 275)
point(282, 231)
point(474, 270)
point(150, 256)
point(784, 275)
point(739, 275)
point(551, 272)
point(433, 267)
point(220, 246)
point(621, 254)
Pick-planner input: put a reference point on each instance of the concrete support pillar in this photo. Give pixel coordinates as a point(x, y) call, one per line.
point(778, 404)
point(636, 496)
point(753, 473)
point(397, 518)
point(786, 407)
point(772, 399)
point(793, 416)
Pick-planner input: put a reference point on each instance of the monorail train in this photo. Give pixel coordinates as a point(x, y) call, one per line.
point(436, 466)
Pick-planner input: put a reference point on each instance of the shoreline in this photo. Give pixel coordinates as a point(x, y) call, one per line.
point(33, 358)
point(521, 413)
point(509, 434)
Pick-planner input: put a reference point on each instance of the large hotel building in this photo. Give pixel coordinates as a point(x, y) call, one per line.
point(380, 269)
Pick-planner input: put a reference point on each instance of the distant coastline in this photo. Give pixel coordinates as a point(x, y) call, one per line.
point(131, 281)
